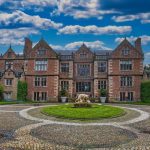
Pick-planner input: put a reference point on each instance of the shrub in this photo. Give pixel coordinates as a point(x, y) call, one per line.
point(145, 91)
point(22, 90)
point(64, 93)
point(103, 92)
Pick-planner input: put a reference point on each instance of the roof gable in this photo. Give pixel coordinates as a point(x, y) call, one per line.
point(84, 49)
point(10, 54)
point(43, 45)
point(125, 44)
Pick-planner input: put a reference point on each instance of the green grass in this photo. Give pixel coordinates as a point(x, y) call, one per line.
point(135, 103)
point(7, 103)
point(18, 102)
point(95, 112)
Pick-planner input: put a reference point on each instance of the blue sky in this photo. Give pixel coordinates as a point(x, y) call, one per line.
point(66, 24)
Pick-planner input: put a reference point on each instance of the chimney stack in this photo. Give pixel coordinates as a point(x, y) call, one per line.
point(27, 46)
point(138, 44)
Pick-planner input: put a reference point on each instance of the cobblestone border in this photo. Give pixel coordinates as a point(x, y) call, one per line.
point(143, 116)
point(23, 137)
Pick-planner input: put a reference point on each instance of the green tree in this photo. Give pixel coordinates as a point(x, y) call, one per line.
point(22, 90)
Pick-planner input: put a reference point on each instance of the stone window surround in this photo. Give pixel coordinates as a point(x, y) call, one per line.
point(8, 82)
point(40, 81)
point(64, 67)
point(99, 64)
point(125, 82)
point(41, 65)
point(128, 65)
point(40, 95)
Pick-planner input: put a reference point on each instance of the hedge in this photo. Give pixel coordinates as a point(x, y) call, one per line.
point(22, 90)
point(145, 91)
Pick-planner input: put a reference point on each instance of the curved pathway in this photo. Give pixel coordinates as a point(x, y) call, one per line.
point(26, 141)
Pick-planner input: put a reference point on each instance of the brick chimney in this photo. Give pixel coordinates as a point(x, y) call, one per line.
point(27, 46)
point(138, 44)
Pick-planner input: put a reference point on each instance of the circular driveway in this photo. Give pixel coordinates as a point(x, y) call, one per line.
point(24, 127)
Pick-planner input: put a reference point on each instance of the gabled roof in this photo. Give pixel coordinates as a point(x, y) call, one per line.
point(83, 48)
point(125, 41)
point(10, 50)
point(42, 42)
point(17, 73)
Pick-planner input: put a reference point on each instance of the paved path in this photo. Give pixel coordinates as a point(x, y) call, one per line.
point(25, 140)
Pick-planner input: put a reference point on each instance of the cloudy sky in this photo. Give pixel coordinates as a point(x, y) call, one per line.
point(66, 24)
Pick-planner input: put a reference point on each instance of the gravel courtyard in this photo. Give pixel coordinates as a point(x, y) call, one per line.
point(23, 127)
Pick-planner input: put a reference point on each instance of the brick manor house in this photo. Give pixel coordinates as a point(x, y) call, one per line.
point(47, 71)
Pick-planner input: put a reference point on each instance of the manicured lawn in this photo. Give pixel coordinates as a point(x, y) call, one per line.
point(7, 103)
point(18, 102)
point(95, 112)
point(136, 103)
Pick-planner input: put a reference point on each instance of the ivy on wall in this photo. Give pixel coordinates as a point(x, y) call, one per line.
point(1, 91)
point(22, 90)
point(145, 91)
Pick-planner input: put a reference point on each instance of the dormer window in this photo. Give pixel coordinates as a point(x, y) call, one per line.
point(41, 52)
point(125, 51)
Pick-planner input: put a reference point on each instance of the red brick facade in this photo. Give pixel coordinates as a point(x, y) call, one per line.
point(47, 71)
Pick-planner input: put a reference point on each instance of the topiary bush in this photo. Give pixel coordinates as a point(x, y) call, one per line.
point(22, 90)
point(145, 91)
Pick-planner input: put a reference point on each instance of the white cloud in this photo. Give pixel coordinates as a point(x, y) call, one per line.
point(19, 17)
point(144, 17)
point(75, 8)
point(39, 2)
point(147, 55)
point(81, 9)
point(95, 45)
point(145, 39)
point(76, 29)
point(147, 58)
point(15, 36)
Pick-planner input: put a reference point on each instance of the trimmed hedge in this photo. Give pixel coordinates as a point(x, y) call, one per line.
point(22, 90)
point(145, 91)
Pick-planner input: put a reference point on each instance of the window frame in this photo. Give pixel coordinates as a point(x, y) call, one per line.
point(41, 65)
point(126, 65)
point(64, 85)
point(80, 87)
point(8, 82)
point(102, 84)
point(38, 81)
point(125, 51)
point(102, 68)
point(126, 81)
point(83, 70)
point(64, 67)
